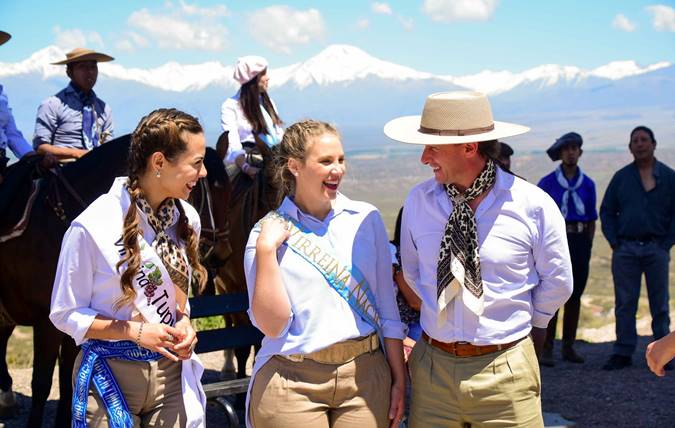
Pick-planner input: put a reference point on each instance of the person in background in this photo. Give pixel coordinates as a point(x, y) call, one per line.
point(249, 117)
point(638, 220)
point(10, 137)
point(122, 282)
point(505, 153)
point(318, 271)
point(408, 302)
point(487, 254)
point(75, 120)
point(574, 192)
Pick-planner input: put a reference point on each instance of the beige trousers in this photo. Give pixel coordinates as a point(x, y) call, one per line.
point(307, 394)
point(501, 389)
point(152, 390)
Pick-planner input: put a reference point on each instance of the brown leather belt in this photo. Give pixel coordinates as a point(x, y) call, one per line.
point(466, 349)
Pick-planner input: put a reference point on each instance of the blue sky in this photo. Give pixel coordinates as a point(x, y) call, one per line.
point(440, 36)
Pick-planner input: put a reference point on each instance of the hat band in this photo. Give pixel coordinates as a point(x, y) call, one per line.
point(456, 132)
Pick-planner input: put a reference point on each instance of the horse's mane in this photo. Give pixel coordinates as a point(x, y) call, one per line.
point(105, 161)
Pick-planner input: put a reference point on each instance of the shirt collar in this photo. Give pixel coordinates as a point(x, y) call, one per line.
point(81, 95)
point(503, 181)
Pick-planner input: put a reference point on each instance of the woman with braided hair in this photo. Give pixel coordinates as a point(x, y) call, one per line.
point(318, 271)
point(122, 283)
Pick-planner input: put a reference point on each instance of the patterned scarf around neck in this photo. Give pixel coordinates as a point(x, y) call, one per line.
point(458, 260)
point(570, 190)
point(172, 255)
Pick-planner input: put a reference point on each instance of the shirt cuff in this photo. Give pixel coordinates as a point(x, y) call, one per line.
point(541, 319)
point(233, 155)
point(80, 321)
point(394, 329)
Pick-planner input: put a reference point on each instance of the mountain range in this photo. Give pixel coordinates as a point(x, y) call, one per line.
point(347, 86)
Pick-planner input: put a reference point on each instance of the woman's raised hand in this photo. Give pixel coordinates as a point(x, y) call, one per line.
point(274, 231)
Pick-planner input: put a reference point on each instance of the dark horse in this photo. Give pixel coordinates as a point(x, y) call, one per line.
point(28, 265)
point(251, 199)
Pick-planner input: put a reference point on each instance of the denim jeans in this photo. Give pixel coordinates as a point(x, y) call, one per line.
point(629, 261)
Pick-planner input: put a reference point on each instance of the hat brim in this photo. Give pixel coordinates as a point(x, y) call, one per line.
point(95, 56)
point(406, 130)
point(4, 37)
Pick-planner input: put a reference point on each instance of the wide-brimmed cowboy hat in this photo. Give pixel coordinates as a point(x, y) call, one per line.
point(4, 37)
point(83, 54)
point(452, 118)
point(570, 138)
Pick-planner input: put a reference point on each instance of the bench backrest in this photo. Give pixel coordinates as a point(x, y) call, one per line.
point(226, 337)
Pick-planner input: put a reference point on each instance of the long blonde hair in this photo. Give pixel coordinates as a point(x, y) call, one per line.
point(159, 131)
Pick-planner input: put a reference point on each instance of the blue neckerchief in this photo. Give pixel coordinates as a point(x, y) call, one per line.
point(359, 298)
point(94, 368)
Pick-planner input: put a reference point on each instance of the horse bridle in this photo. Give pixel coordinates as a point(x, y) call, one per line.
point(57, 204)
point(213, 231)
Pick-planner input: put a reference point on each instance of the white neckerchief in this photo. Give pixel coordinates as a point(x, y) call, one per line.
point(578, 203)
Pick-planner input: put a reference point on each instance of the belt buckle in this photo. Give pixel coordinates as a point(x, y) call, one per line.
point(580, 227)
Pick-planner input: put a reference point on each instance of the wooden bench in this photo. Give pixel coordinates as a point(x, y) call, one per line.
point(224, 338)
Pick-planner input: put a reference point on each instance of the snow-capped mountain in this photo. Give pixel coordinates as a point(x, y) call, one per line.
point(336, 64)
point(358, 92)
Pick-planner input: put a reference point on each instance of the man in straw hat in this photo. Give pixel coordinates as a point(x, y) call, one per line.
point(574, 192)
point(75, 120)
point(10, 137)
point(487, 254)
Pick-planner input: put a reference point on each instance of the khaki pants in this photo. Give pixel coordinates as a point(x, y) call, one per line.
point(501, 389)
point(287, 394)
point(152, 390)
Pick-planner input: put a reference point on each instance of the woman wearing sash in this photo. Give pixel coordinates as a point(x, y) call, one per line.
point(250, 116)
point(122, 283)
point(318, 271)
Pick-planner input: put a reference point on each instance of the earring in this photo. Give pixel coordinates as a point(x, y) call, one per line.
point(158, 174)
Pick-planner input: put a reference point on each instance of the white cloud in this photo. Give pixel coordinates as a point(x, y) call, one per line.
point(281, 27)
point(407, 23)
point(624, 24)
point(131, 41)
point(174, 31)
point(74, 38)
point(663, 17)
point(459, 10)
point(362, 23)
point(211, 12)
point(381, 8)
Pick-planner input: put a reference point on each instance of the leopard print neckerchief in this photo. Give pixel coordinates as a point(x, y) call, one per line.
point(172, 255)
point(458, 260)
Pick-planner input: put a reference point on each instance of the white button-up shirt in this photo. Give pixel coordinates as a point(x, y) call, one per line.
point(233, 120)
point(524, 259)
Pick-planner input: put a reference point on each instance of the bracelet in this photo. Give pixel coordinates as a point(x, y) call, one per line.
point(138, 336)
point(245, 166)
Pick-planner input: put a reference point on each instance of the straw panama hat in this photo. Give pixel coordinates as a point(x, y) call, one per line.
point(4, 37)
point(83, 54)
point(452, 118)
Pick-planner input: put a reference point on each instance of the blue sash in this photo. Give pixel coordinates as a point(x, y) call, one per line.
point(347, 281)
point(94, 368)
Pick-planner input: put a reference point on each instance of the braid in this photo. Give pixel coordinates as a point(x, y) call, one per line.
point(159, 131)
point(132, 250)
point(189, 236)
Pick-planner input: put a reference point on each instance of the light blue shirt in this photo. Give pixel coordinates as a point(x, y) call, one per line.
point(319, 316)
point(10, 137)
point(524, 260)
point(59, 119)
